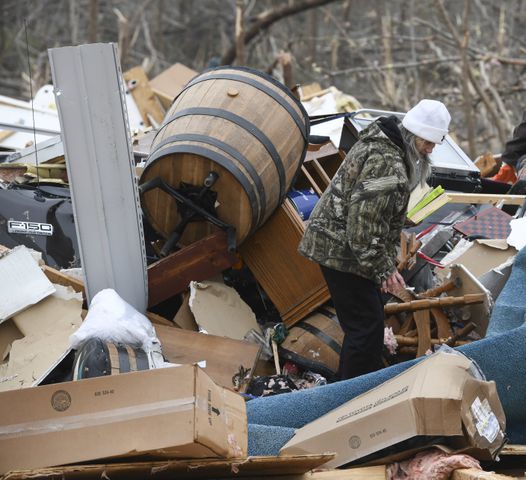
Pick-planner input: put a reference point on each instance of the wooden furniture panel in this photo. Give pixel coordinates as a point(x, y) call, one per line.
point(198, 261)
point(294, 284)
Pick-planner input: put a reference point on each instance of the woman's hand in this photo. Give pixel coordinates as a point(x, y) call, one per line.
point(393, 283)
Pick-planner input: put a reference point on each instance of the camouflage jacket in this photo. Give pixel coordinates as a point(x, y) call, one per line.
point(355, 226)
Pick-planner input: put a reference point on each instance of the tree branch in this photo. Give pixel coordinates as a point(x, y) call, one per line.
point(265, 19)
point(469, 72)
point(397, 66)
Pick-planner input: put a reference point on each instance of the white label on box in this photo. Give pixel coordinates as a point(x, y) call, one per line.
point(485, 420)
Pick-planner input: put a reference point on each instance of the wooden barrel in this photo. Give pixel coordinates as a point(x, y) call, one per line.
point(239, 123)
point(97, 358)
point(315, 343)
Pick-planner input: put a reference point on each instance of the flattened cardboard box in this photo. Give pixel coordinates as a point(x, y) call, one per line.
point(436, 397)
point(174, 412)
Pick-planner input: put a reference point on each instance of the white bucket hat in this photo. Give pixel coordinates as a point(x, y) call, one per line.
point(428, 119)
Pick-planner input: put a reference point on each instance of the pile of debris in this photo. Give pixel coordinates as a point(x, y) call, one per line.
point(154, 296)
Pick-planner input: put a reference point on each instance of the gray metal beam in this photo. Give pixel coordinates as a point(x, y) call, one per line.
point(27, 129)
point(90, 97)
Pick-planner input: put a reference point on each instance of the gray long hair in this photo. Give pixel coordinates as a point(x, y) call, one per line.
point(419, 164)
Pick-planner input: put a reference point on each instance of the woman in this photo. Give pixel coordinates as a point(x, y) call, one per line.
point(355, 227)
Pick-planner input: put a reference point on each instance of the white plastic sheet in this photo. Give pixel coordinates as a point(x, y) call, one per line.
point(112, 319)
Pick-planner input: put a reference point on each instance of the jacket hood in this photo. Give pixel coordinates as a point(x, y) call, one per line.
point(386, 130)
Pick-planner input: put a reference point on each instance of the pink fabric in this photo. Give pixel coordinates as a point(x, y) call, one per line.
point(430, 465)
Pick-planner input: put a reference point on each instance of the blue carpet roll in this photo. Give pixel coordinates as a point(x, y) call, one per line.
point(509, 311)
point(266, 440)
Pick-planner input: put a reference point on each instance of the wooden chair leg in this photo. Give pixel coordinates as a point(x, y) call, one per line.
point(422, 321)
point(407, 325)
point(442, 323)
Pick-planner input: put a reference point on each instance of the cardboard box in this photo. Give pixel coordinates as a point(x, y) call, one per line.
point(254, 468)
point(174, 412)
point(479, 256)
point(478, 313)
point(34, 341)
point(436, 397)
point(169, 83)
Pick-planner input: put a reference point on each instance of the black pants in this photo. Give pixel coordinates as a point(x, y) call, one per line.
point(360, 311)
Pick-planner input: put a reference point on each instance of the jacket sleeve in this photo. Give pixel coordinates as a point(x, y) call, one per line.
point(375, 204)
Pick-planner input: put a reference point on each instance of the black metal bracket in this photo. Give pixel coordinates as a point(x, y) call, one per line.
point(190, 210)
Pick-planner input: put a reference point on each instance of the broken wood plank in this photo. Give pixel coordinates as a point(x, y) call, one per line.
point(147, 102)
point(197, 261)
point(514, 450)
point(469, 299)
point(159, 320)
point(483, 198)
point(357, 473)
point(475, 474)
point(56, 276)
point(169, 83)
point(488, 164)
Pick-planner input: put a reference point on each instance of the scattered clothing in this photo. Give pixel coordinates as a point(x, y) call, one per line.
point(430, 465)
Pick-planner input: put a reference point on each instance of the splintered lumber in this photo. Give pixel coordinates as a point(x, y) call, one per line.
point(56, 276)
point(159, 320)
point(169, 83)
point(475, 474)
point(426, 303)
point(414, 246)
point(147, 102)
point(357, 473)
point(198, 261)
point(488, 164)
point(404, 294)
point(408, 248)
point(482, 198)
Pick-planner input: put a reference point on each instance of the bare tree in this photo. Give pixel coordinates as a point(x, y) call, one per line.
point(93, 20)
point(265, 19)
point(240, 32)
point(387, 53)
point(468, 73)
